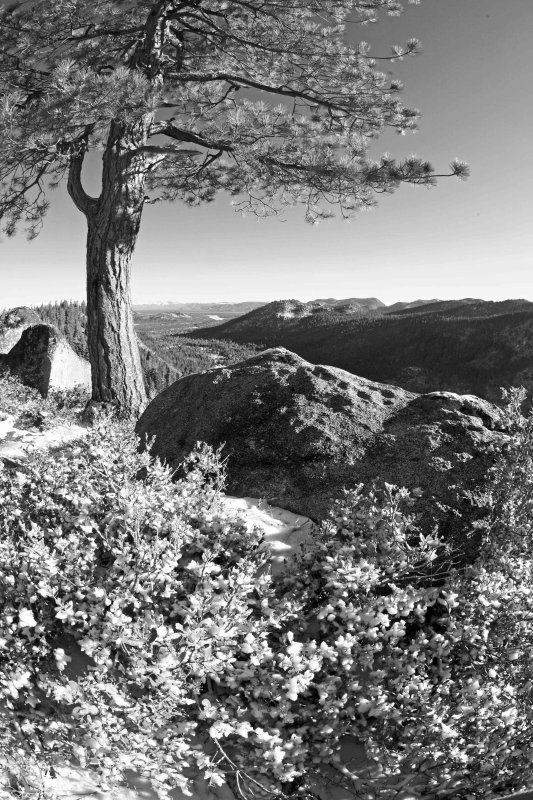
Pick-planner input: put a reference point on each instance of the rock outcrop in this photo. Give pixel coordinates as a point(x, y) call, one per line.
point(43, 359)
point(13, 323)
point(295, 434)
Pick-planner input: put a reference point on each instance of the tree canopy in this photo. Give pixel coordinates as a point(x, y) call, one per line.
point(266, 100)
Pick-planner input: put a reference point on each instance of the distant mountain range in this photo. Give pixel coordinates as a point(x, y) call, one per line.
point(469, 346)
point(467, 306)
point(227, 309)
point(169, 306)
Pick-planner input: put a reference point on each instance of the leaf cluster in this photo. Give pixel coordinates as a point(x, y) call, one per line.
point(123, 596)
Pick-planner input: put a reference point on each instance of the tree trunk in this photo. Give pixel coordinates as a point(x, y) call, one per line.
point(113, 224)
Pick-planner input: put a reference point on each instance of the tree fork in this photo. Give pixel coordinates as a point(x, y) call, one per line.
point(113, 221)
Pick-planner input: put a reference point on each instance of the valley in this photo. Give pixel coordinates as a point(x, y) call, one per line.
point(158, 318)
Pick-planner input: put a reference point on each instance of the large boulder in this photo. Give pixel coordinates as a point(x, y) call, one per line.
point(12, 325)
point(295, 434)
point(43, 359)
point(443, 444)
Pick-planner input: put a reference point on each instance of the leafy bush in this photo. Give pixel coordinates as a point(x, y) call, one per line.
point(433, 676)
point(141, 629)
point(124, 597)
point(30, 409)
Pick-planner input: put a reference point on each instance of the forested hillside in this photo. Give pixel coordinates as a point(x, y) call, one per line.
point(70, 317)
point(467, 348)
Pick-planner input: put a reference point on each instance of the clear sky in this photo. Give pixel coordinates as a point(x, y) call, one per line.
point(473, 83)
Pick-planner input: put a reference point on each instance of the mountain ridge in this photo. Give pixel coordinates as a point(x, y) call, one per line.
point(469, 347)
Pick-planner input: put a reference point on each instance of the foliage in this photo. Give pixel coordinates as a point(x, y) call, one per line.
point(434, 677)
point(268, 101)
point(30, 409)
point(141, 584)
point(141, 628)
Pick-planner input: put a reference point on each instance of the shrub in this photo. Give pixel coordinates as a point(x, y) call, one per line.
point(15, 398)
point(124, 597)
point(141, 629)
point(30, 409)
point(433, 676)
point(433, 673)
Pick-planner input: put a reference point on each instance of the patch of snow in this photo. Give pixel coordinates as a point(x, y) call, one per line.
point(285, 532)
point(16, 442)
point(299, 314)
point(215, 317)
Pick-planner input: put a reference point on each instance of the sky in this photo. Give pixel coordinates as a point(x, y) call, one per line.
point(473, 84)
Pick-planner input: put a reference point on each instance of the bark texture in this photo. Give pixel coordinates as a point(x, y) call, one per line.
point(113, 221)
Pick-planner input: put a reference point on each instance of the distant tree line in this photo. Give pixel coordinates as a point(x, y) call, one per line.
point(188, 354)
point(69, 317)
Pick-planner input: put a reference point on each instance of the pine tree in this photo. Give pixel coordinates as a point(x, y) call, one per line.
point(263, 99)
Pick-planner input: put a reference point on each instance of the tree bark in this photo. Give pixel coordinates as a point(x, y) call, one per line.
point(113, 221)
point(112, 233)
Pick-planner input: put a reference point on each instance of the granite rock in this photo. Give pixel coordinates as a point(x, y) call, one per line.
point(43, 359)
point(295, 434)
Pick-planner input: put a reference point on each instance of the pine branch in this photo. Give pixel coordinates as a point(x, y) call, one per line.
point(181, 135)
